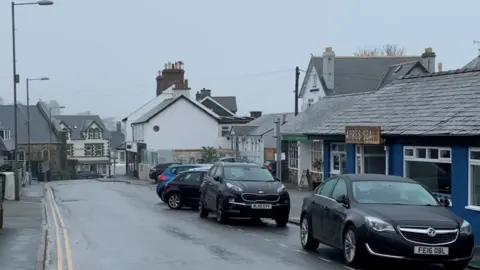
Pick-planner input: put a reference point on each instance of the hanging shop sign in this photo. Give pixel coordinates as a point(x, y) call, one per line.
point(363, 135)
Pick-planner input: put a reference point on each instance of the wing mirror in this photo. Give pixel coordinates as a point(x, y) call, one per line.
point(217, 178)
point(445, 202)
point(343, 199)
point(278, 179)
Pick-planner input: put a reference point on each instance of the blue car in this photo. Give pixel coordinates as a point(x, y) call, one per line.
point(170, 173)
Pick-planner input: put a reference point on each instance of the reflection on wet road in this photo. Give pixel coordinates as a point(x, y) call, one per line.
point(125, 227)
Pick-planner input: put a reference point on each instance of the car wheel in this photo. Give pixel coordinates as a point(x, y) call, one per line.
point(221, 216)
point(351, 250)
point(456, 265)
point(174, 200)
point(281, 220)
point(202, 211)
point(306, 238)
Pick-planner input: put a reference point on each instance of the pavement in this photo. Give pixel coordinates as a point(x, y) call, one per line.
point(22, 239)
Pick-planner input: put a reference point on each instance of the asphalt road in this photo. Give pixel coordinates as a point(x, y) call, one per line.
point(125, 227)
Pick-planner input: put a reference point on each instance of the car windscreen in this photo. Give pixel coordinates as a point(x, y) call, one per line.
point(247, 173)
point(392, 192)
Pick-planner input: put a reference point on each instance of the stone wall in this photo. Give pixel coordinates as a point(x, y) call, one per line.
point(56, 153)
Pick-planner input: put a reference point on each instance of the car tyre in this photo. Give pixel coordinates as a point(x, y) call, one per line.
point(174, 200)
point(221, 215)
point(456, 265)
point(306, 237)
point(202, 211)
point(352, 253)
point(282, 220)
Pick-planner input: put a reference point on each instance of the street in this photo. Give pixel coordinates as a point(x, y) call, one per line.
point(95, 225)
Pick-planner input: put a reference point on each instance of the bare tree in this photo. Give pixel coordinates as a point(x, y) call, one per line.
point(385, 50)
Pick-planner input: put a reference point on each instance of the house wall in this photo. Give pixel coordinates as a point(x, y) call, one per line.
point(181, 126)
point(310, 94)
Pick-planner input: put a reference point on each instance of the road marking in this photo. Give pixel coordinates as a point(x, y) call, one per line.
point(301, 251)
point(266, 239)
point(229, 226)
point(68, 251)
point(57, 236)
point(252, 234)
point(323, 259)
point(282, 245)
point(240, 230)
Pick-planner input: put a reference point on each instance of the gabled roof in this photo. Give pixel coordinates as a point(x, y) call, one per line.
point(324, 110)
point(355, 74)
point(117, 138)
point(444, 103)
point(265, 123)
point(169, 102)
point(229, 102)
point(80, 123)
point(221, 110)
point(475, 63)
point(397, 71)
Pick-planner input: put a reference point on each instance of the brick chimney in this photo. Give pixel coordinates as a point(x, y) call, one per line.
point(173, 73)
point(255, 114)
point(328, 58)
point(428, 59)
point(203, 93)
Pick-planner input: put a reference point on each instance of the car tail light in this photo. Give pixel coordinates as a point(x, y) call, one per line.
point(269, 168)
point(161, 178)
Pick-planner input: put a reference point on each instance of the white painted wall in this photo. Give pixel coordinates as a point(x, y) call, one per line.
point(313, 81)
point(182, 126)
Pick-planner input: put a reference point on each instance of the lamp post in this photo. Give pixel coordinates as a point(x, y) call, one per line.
point(16, 80)
point(50, 140)
point(29, 162)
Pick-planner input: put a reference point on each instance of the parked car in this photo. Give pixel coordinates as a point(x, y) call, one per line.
point(159, 169)
point(184, 189)
point(170, 173)
point(392, 217)
point(233, 159)
point(88, 175)
point(243, 190)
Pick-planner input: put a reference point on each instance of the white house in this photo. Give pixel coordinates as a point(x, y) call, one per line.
point(88, 141)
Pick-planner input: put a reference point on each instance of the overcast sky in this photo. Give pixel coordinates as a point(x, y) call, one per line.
point(103, 56)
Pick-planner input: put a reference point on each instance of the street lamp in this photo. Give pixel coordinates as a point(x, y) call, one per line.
point(29, 164)
point(50, 141)
point(16, 80)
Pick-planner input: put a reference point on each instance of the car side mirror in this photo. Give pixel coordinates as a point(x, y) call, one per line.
point(445, 202)
point(277, 179)
point(217, 178)
point(343, 199)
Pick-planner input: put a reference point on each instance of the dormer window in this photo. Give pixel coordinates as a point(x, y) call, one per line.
point(94, 134)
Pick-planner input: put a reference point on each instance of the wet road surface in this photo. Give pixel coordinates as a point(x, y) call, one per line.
point(94, 225)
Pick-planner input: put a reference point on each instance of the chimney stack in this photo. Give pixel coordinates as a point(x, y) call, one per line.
point(255, 114)
point(328, 58)
point(119, 126)
point(205, 93)
point(284, 119)
point(198, 96)
point(428, 59)
point(440, 66)
point(172, 73)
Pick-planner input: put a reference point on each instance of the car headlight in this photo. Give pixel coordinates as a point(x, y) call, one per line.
point(234, 188)
point(281, 188)
point(465, 228)
point(379, 225)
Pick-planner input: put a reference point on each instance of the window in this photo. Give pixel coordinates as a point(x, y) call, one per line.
point(156, 128)
point(314, 77)
point(21, 154)
point(94, 150)
point(122, 156)
point(310, 102)
point(193, 177)
point(94, 133)
point(431, 167)
point(6, 134)
point(218, 172)
point(183, 169)
point(225, 131)
point(292, 155)
point(69, 150)
point(327, 187)
point(316, 157)
point(371, 159)
point(211, 172)
point(474, 178)
point(239, 173)
point(340, 189)
point(46, 154)
point(338, 161)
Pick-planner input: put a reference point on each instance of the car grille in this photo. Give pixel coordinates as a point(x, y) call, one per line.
point(252, 197)
point(421, 236)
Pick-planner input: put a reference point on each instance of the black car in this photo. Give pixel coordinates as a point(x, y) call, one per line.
point(243, 190)
point(184, 189)
point(158, 170)
point(382, 216)
point(88, 175)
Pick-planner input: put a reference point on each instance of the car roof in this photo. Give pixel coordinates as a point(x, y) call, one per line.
point(376, 177)
point(239, 164)
point(199, 169)
point(189, 165)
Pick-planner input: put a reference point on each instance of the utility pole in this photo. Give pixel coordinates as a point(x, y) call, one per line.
point(297, 77)
point(278, 136)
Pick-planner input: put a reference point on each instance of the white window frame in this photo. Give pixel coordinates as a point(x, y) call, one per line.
point(360, 156)
point(336, 152)
point(293, 155)
point(316, 152)
point(427, 158)
point(472, 162)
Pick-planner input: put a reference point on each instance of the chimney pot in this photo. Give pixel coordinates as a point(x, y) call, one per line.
point(186, 83)
point(169, 64)
point(440, 67)
point(166, 66)
point(180, 64)
point(328, 59)
point(428, 50)
point(328, 49)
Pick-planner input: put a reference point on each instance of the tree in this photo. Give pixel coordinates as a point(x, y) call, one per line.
point(385, 50)
point(208, 154)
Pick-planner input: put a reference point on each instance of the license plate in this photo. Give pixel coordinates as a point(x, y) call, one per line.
point(442, 251)
point(261, 206)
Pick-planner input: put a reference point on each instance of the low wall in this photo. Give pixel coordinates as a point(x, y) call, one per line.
point(143, 171)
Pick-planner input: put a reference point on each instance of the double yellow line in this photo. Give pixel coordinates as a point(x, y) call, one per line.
point(58, 220)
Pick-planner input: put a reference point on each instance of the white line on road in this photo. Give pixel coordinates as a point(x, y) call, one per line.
point(301, 251)
point(266, 239)
point(282, 245)
point(252, 234)
point(240, 230)
point(325, 260)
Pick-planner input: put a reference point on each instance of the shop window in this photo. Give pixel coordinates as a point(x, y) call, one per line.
point(371, 159)
point(431, 167)
point(338, 159)
point(292, 155)
point(474, 178)
point(316, 164)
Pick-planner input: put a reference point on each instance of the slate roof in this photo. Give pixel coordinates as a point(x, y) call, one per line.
point(324, 110)
point(117, 139)
point(443, 103)
point(475, 63)
point(243, 130)
point(229, 102)
point(216, 107)
point(39, 125)
point(266, 122)
point(82, 122)
point(355, 74)
point(397, 71)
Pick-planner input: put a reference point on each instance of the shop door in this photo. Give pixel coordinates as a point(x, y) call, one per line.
point(371, 159)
